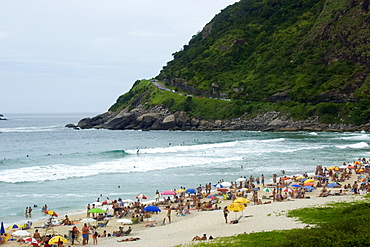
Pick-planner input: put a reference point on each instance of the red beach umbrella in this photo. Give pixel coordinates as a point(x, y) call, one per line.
point(31, 241)
point(222, 189)
point(141, 196)
point(107, 202)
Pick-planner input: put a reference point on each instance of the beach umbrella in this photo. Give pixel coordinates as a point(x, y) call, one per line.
point(288, 190)
point(267, 189)
point(242, 189)
point(152, 208)
point(51, 213)
point(296, 185)
point(303, 179)
point(226, 184)
point(309, 181)
point(168, 193)
point(285, 178)
point(58, 239)
point(240, 180)
point(318, 176)
point(88, 220)
point(191, 191)
point(107, 202)
point(212, 197)
point(97, 211)
point(222, 189)
point(141, 196)
point(351, 167)
point(360, 170)
point(180, 191)
point(309, 184)
point(218, 185)
point(331, 185)
point(30, 240)
point(2, 230)
point(128, 201)
point(124, 221)
point(15, 227)
point(241, 200)
point(236, 207)
point(309, 187)
point(21, 233)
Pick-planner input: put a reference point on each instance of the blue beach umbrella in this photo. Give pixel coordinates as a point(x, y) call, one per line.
point(2, 230)
point(309, 187)
point(152, 209)
point(191, 191)
point(331, 185)
point(296, 185)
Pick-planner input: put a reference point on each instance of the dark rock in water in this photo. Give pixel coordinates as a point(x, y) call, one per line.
point(2, 117)
point(70, 126)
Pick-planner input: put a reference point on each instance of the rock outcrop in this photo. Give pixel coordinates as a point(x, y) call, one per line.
point(160, 118)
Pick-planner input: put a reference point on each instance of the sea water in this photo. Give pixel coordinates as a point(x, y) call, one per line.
point(42, 162)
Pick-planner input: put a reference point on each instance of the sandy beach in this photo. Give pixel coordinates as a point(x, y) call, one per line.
point(255, 218)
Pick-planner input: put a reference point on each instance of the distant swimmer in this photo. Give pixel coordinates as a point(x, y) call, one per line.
point(241, 167)
point(137, 151)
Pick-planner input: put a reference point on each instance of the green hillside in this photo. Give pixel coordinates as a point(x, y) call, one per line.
point(303, 58)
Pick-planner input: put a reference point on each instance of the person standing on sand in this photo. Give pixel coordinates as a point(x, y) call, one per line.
point(74, 234)
point(88, 209)
point(355, 187)
point(226, 212)
point(85, 231)
point(169, 213)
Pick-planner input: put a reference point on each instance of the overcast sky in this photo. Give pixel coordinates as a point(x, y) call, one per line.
point(80, 55)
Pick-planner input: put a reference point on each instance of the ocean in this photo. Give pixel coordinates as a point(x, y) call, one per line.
point(42, 162)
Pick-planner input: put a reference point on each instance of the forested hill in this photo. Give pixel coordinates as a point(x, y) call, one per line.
point(312, 55)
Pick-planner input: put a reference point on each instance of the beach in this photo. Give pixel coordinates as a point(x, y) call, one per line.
point(268, 216)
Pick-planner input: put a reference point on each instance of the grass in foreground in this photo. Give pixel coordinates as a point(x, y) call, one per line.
point(338, 224)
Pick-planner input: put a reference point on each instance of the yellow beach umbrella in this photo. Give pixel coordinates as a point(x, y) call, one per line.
point(309, 181)
point(57, 239)
point(236, 207)
point(241, 200)
point(180, 191)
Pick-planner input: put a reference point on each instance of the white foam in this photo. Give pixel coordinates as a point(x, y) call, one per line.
point(359, 145)
point(29, 129)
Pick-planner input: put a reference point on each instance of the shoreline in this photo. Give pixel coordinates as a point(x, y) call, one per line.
point(268, 216)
